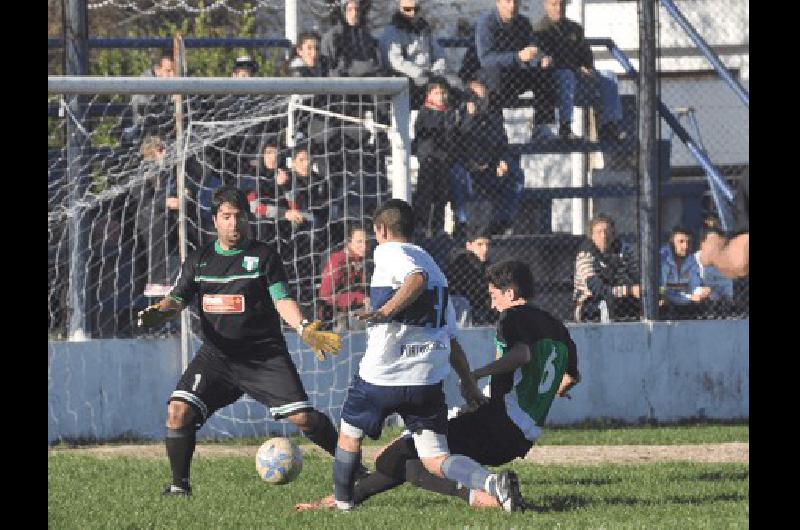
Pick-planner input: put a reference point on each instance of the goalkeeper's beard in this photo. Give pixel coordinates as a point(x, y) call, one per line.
point(234, 237)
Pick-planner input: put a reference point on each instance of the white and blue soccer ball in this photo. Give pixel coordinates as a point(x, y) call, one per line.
point(279, 460)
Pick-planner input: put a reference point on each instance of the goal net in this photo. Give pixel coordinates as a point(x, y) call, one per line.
point(130, 181)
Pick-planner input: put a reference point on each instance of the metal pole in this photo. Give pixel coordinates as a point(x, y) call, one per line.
point(580, 160)
point(712, 57)
point(648, 159)
point(401, 143)
point(291, 20)
point(180, 63)
point(76, 42)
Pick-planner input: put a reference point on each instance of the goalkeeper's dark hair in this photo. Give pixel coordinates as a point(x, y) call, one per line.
point(512, 274)
point(231, 195)
point(397, 216)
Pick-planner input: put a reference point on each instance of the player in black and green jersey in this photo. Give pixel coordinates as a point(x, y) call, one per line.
point(240, 290)
point(535, 360)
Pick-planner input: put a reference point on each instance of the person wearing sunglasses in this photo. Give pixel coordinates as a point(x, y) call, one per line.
point(408, 48)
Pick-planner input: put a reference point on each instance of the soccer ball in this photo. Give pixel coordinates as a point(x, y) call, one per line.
point(279, 460)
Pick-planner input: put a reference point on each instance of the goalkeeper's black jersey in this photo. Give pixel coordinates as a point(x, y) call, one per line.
point(234, 292)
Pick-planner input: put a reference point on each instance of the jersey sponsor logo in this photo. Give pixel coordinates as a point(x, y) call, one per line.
point(250, 263)
point(223, 303)
point(416, 349)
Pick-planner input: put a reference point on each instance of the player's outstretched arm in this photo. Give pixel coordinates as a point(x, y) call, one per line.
point(469, 388)
point(158, 313)
point(516, 356)
point(320, 342)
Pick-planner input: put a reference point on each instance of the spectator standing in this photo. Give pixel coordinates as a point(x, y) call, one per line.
point(434, 133)
point(466, 275)
point(344, 278)
point(483, 167)
point(577, 79)
point(605, 280)
point(511, 62)
point(153, 114)
point(683, 291)
point(408, 48)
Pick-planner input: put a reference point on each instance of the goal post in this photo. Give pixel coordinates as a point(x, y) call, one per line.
point(210, 116)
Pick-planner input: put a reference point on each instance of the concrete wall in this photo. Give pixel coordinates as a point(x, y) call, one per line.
point(662, 371)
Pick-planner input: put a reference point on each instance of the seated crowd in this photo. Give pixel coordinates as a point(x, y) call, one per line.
point(464, 159)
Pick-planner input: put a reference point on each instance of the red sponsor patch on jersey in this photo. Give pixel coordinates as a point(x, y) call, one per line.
point(223, 303)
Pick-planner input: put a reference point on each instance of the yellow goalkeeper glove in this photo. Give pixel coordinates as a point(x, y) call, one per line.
point(152, 316)
point(320, 342)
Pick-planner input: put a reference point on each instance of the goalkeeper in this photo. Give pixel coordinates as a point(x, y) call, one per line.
point(239, 285)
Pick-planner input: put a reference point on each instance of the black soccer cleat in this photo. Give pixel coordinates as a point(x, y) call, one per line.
point(176, 491)
point(508, 494)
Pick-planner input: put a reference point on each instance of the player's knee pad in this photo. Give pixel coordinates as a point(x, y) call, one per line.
point(392, 461)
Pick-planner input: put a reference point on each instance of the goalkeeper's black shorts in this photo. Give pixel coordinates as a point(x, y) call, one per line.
point(214, 380)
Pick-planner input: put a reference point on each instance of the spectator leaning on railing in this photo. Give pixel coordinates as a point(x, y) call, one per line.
point(307, 61)
point(466, 274)
point(606, 287)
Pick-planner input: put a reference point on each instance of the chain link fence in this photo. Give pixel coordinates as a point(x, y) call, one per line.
point(524, 128)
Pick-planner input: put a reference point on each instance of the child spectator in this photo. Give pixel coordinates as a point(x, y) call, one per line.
point(344, 280)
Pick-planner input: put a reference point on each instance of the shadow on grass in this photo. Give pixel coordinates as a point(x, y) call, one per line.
point(568, 503)
point(574, 481)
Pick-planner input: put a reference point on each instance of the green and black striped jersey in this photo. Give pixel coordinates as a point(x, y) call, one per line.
point(529, 390)
point(234, 291)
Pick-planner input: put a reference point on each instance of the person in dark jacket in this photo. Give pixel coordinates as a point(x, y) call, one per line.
point(349, 47)
point(573, 68)
point(408, 48)
point(511, 62)
point(434, 133)
point(466, 274)
point(307, 61)
point(606, 283)
point(484, 168)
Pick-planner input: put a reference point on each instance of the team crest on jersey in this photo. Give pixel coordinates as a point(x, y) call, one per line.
point(250, 263)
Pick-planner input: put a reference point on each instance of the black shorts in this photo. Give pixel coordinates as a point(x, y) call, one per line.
point(267, 374)
point(487, 435)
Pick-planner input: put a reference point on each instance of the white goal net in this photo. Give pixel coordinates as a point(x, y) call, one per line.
point(130, 181)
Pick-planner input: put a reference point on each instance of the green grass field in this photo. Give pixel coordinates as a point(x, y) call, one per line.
point(124, 492)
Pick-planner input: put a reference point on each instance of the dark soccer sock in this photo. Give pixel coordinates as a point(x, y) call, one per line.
point(417, 475)
point(180, 448)
point(373, 484)
point(344, 465)
point(468, 472)
point(322, 432)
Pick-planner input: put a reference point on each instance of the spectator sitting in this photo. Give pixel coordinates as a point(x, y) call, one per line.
point(605, 281)
point(433, 142)
point(344, 280)
point(409, 48)
point(466, 274)
point(573, 69)
point(484, 168)
point(307, 61)
point(305, 193)
point(244, 66)
point(512, 63)
point(349, 48)
point(684, 295)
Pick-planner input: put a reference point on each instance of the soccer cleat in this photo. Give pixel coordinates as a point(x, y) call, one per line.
point(508, 494)
point(176, 491)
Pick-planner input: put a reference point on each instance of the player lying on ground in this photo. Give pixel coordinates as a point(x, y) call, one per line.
point(409, 339)
point(240, 288)
point(534, 351)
